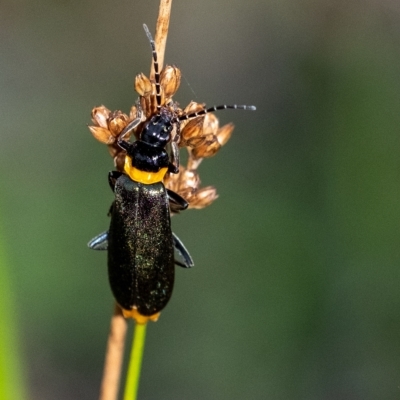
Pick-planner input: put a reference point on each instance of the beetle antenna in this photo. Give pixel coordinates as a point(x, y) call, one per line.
point(215, 108)
point(155, 63)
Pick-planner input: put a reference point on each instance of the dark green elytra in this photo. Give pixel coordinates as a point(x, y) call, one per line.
point(140, 246)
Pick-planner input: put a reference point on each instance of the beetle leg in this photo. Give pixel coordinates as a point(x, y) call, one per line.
point(181, 249)
point(175, 156)
point(99, 242)
point(177, 202)
point(112, 178)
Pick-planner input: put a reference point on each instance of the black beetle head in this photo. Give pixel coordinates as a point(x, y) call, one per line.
point(157, 132)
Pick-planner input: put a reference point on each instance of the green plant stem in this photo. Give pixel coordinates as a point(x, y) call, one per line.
point(12, 379)
point(135, 362)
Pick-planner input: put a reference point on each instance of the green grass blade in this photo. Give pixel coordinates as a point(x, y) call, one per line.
point(12, 383)
point(135, 362)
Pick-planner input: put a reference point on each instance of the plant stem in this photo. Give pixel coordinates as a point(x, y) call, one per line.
point(114, 356)
point(12, 379)
point(135, 362)
point(160, 39)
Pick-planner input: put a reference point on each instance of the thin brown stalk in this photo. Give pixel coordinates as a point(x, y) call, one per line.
point(164, 13)
point(114, 356)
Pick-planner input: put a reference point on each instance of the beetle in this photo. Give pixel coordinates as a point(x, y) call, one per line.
point(140, 241)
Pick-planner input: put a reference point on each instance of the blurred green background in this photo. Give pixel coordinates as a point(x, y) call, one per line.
point(295, 293)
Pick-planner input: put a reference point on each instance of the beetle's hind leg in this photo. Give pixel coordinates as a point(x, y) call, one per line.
point(183, 252)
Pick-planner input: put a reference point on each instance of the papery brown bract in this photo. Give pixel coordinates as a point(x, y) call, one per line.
point(170, 79)
point(100, 115)
point(192, 133)
point(103, 135)
point(208, 148)
point(225, 133)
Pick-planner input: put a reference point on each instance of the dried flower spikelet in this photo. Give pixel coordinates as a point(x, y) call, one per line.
point(189, 179)
point(171, 181)
point(100, 116)
point(143, 85)
point(193, 107)
point(103, 135)
point(185, 183)
point(211, 124)
point(192, 133)
point(117, 122)
point(208, 148)
point(203, 197)
point(170, 80)
point(225, 133)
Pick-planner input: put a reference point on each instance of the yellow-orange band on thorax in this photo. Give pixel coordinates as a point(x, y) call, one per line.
point(144, 177)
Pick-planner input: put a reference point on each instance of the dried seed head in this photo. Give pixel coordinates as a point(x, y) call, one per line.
point(189, 179)
point(203, 197)
point(117, 122)
point(143, 85)
point(170, 80)
point(171, 181)
point(225, 133)
point(211, 124)
point(103, 135)
point(192, 133)
point(193, 107)
point(208, 148)
point(100, 116)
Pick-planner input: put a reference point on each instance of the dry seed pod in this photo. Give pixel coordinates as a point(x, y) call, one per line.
point(100, 116)
point(171, 181)
point(211, 124)
point(187, 194)
point(189, 179)
point(193, 107)
point(143, 85)
point(203, 197)
point(192, 133)
point(196, 142)
point(117, 123)
point(103, 135)
point(170, 80)
point(208, 148)
point(225, 133)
